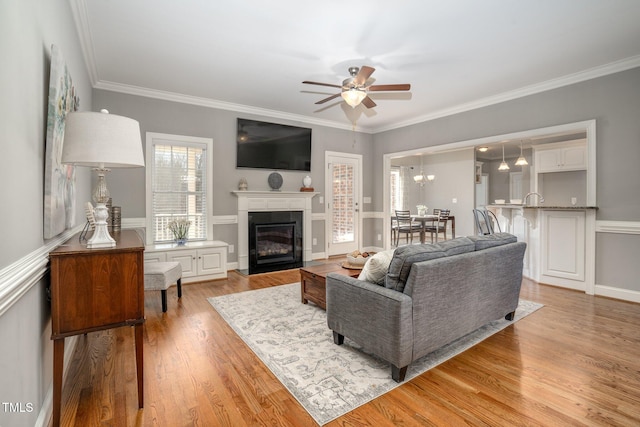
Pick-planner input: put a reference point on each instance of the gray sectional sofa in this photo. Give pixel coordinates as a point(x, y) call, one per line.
point(431, 295)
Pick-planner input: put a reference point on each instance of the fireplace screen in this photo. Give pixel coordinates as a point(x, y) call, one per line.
point(275, 241)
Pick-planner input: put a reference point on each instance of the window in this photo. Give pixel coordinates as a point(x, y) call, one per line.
point(178, 171)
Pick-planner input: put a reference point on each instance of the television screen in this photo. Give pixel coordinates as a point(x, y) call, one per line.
point(272, 146)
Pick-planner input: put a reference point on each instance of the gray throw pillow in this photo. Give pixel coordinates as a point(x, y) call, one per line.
point(403, 259)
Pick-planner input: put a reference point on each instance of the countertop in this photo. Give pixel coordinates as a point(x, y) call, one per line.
point(550, 207)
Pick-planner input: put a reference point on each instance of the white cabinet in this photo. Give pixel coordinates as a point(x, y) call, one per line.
point(202, 260)
point(568, 157)
point(563, 248)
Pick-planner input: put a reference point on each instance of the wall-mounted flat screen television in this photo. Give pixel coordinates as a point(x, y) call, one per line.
point(272, 146)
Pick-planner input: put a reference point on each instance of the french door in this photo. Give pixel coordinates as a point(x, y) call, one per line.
point(343, 189)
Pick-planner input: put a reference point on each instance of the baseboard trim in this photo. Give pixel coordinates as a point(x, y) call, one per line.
point(618, 293)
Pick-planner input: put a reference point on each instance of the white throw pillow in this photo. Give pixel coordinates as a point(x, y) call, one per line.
point(376, 267)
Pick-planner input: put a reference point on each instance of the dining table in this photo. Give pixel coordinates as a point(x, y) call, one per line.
point(424, 219)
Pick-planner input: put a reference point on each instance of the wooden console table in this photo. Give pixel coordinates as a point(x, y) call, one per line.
point(92, 290)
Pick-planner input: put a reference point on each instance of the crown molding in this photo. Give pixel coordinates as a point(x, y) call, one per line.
point(79, 12)
point(614, 67)
point(592, 73)
point(221, 105)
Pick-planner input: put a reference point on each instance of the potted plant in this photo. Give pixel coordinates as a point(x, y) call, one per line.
point(180, 230)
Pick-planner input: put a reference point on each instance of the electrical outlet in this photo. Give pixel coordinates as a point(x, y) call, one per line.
point(320, 199)
point(366, 199)
point(379, 236)
point(231, 249)
point(315, 241)
point(454, 200)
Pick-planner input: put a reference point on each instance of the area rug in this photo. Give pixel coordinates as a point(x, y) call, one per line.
point(293, 340)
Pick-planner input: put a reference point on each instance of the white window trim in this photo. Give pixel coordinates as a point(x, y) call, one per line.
point(151, 137)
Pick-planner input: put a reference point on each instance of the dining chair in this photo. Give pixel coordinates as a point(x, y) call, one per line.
point(439, 225)
point(405, 225)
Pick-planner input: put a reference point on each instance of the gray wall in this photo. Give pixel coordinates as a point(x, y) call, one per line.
point(127, 186)
point(27, 30)
point(614, 101)
point(29, 27)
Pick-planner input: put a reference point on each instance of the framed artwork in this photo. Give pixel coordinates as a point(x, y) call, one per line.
point(59, 179)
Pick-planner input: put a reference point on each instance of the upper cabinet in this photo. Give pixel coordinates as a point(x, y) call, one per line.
point(565, 156)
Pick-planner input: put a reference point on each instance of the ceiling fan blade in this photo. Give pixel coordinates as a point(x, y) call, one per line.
point(368, 102)
point(375, 88)
point(322, 101)
point(361, 78)
point(322, 84)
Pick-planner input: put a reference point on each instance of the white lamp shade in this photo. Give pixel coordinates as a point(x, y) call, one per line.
point(101, 140)
point(353, 96)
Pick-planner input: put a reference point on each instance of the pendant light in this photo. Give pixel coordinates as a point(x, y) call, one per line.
point(420, 178)
point(503, 166)
point(521, 160)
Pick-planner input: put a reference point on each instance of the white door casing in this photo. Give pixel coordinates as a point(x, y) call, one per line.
point(343, 188)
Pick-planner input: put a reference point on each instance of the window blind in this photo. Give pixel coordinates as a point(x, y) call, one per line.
point(179, 189)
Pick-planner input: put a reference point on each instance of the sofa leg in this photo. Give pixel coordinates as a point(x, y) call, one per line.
point(510, 316)
point(337, 338)
point(179, 285)
point(398, 373)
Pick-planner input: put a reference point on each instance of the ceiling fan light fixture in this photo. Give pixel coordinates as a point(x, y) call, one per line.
point(353, 96)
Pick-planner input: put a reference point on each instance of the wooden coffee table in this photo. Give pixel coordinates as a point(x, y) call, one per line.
point(313, 282)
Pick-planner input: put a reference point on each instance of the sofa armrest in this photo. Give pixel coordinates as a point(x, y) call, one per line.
point(377, 318)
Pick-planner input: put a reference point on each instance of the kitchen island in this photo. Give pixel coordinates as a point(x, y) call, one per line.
point(560, 242)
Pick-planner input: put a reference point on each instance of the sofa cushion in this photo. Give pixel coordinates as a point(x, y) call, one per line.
point(376, 267)
point(457, 246)
point(492, 240)
point(403, 259)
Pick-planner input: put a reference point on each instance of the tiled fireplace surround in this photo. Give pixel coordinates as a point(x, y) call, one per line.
point(264, 201)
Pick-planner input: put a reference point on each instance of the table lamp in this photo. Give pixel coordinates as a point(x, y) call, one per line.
point(101, 141)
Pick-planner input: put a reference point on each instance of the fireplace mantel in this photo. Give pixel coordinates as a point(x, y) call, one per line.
point(263, 201)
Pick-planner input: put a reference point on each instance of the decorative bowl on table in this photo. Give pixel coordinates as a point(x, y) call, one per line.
point(357, 259)
point(499, 201)
point(516, 201)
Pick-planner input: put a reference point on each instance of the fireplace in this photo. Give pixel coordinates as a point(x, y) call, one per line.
point(275, 241)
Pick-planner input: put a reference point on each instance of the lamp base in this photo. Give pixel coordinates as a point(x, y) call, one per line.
point(101, 237)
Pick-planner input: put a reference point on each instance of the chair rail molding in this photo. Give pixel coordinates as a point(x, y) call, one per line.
point(619, 227)
point(17, 278)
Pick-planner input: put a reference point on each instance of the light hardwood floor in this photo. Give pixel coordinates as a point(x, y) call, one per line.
point(576, 361)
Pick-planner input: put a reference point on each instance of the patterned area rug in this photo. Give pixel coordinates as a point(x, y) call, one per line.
point(293, 340)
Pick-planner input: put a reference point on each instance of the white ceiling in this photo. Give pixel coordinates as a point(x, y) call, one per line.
point(251, 56)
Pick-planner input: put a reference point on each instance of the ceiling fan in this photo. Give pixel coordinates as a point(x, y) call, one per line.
point(355, 88)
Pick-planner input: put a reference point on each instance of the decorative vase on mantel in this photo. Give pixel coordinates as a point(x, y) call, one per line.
point(306, 184)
